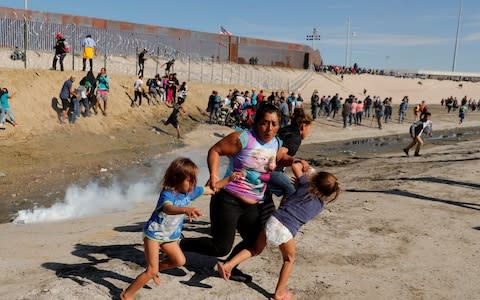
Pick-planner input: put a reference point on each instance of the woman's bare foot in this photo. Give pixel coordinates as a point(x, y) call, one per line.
point(156, 279)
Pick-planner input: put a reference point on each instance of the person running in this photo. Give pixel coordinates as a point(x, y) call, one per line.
point(237, 206)
point(164, 227)
point(89, 51)
point(173, 118)
point(416, 130)
point(314, 192)
point(61, 50)
point(5, 108)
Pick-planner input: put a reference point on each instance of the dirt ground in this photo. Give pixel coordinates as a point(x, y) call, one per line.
point(403, 228)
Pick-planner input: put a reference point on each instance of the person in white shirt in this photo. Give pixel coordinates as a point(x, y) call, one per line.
point(138, 90)
point(416, 130)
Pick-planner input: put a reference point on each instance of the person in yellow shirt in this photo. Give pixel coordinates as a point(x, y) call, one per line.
point(89, 51)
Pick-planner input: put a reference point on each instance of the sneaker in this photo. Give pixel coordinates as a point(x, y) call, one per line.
point(406, 152)
point(417, 154)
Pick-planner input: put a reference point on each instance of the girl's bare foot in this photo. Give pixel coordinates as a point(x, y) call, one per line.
point(156, 279)
point(287, 296)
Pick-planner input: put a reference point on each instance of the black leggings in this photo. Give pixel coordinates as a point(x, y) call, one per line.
point(227, 214)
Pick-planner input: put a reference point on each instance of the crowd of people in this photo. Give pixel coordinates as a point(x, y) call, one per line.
point(91, 92)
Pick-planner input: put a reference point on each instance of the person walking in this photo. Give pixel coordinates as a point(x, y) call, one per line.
point(315, 103)
point(416, 130)
point(5, 108)
point(89, 51)
point(313, 194)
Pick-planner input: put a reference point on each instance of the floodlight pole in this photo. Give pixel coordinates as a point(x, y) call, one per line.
point(313, 37)
point(348, 42)
point(456, 38)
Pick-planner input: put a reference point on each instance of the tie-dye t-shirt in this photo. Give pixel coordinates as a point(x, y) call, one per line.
point(256, 160)
point(162, 227)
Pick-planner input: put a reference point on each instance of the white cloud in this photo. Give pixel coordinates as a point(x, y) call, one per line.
point(379, 39)
point(475, 36)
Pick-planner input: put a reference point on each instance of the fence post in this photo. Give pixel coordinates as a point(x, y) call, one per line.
point(25, 41)
point(105, 59)
point(189, 68)
point(231, 72)
point(73, 46)
point(136, 65)
point(158, 57)
point(222, 74)
point(201, 70)
point(213, 60)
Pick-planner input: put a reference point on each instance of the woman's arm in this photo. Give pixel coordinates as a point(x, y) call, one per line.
point(283, 159)
point(228, 146)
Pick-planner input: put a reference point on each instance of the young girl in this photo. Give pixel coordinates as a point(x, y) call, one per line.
point(163, 229)
point(311, 196)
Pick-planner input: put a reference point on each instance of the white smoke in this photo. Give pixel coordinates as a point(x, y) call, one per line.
point(90, 200)
point(94, 199)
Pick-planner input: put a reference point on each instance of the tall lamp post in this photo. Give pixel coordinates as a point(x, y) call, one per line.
point(313, 37)
point(456, 37)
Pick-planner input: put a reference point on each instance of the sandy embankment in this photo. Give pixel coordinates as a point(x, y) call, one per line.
point(404, 228)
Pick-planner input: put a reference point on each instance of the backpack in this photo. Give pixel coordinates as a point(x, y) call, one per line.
point(66, 47)
point(149, 81)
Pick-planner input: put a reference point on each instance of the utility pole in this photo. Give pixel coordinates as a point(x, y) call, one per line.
point(456, 38)
point(348, 42)
point(313, 37)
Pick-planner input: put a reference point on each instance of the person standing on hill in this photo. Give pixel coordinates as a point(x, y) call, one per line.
point(142, 57)
point(61, 49)
point(89, 51)
point(103, 89)
point(138, 91)
point(66, 93)
point(416, 130)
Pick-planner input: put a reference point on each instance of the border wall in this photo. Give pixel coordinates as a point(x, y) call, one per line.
point(35, 31)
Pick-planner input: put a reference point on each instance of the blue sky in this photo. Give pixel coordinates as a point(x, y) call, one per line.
point(406, 34)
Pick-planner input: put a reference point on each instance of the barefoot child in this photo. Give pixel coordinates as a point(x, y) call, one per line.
point(5, 108)
point(163, 229)
point(312, 194)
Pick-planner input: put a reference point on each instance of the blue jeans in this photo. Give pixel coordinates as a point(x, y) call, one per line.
point(75, 113)
point(6, 111)
point(280, 184)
